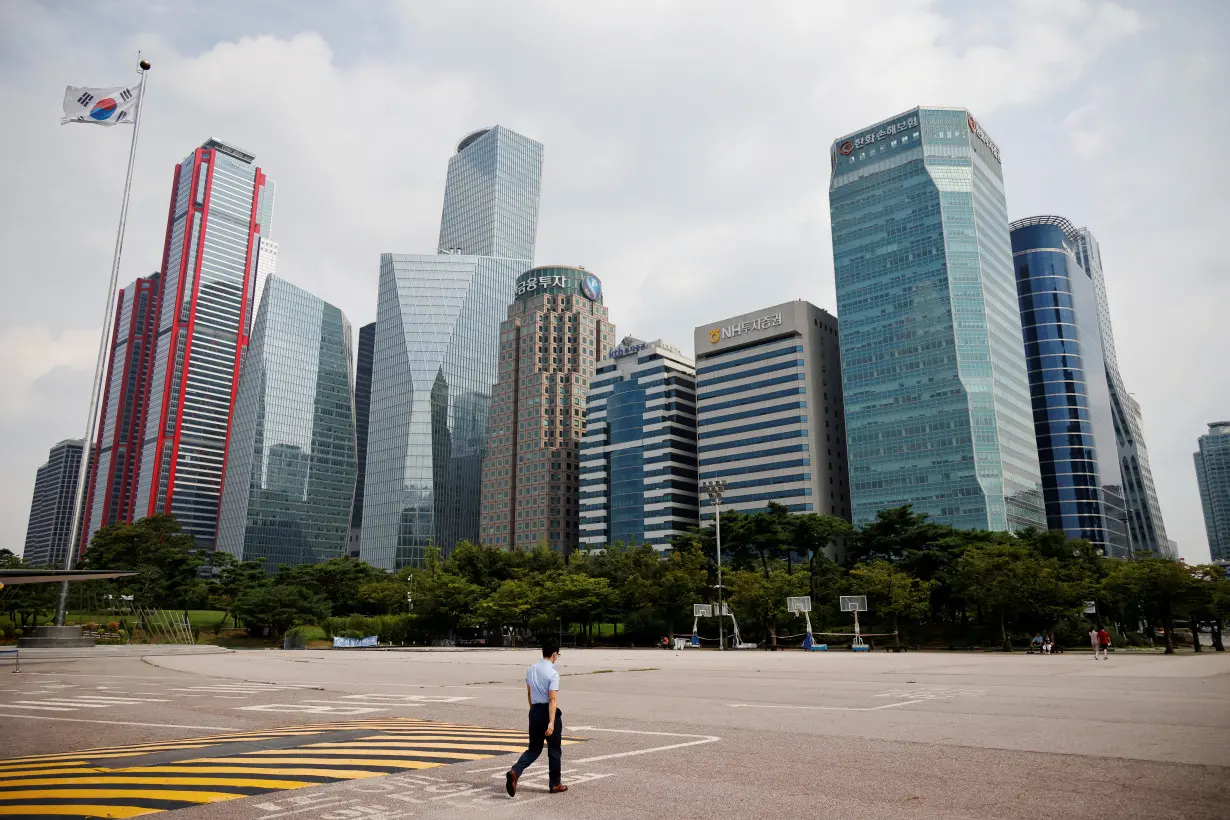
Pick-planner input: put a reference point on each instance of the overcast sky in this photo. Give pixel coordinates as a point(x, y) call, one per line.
point(686, 161)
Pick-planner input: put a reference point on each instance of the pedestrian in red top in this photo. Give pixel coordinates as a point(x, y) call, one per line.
point(1103, 644)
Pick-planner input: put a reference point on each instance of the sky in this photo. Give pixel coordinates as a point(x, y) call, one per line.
point(686, 161)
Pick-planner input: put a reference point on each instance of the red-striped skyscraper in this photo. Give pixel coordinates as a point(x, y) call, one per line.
point(111, 491)
point(221, 208)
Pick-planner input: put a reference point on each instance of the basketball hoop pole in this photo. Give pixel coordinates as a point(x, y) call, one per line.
point(77, 530)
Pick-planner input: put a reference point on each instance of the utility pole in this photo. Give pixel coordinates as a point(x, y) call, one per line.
point(714, 488)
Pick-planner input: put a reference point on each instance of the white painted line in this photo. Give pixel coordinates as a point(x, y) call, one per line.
point(123, 722)
point(107, 700)
point(703, 739)
point(822, 708)
point(19, 705)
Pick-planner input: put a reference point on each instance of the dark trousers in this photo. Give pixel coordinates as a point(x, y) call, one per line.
point(538, 729)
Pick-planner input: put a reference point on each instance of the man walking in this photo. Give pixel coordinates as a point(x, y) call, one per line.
point(546, 720)
point(1103, 644)
point(1093, 641)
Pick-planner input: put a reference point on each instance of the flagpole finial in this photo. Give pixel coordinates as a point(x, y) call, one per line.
point(144, 64)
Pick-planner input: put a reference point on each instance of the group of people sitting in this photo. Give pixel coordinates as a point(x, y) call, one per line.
point(1045, 644)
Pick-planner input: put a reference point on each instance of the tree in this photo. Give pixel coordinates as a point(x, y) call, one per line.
point(1158, 586)
point(813, 533)
point(999, 578)
point(1214, 599)
point(278, 608)
point(892, 591)
point(25, 602)
point(386, 597)
point(337, 579)
point(573, 597)
point(763, 598)
point(894, 534)
point(232, 578)
point(165, 558)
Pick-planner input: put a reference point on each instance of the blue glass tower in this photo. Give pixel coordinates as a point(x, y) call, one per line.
point(1213, 477)
point(937, 401)
point(436, 353)
point(1081, 481)
point(638, 457)
point(290, 474)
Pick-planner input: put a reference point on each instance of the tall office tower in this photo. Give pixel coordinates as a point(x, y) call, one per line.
point(362, 412)
point(938, 410)
point(1213, 476)
point(1073, 417)
point(48, 533)
point(221, 205)
point(436, 353)
point(112, 484)
point(557, 330)
point(638, 454)
point(1144, 514)
point(290, 473)
point(769, 410)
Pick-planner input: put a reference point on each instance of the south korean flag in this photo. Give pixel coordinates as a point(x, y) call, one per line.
point(101, 106)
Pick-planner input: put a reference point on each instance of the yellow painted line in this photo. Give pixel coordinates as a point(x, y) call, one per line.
point(80, 810)
point(520, 736)
point(119, 777)
point(372, 754)
point(6, 767)
point(173, 796)
point(461, 745)
point(341, 774)
point(335, 761)
point(5, 776)
point(107, 753)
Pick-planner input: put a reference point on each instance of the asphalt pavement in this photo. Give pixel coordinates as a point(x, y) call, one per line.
point(386, 735)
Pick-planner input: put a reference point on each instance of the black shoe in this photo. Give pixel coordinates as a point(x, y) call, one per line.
point(510, 783)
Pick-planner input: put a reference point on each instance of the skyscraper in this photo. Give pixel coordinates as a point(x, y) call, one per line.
point(112, 485)
point(48, 532)
point(290, 473)
point(221, 205)
point(769, 410)
point(1073, 418)
point(938, 410)
point(1144, 514)
point(556, 331)
point(362, 413)
point(1213, 477)
point(436, 352)
point(638, 455)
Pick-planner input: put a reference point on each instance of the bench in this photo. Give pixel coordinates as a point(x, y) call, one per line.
point(16, 657)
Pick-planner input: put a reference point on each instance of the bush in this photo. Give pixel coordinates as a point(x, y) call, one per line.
point(394, 629)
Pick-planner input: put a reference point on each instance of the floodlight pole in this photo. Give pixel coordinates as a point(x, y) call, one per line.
point(714, 488)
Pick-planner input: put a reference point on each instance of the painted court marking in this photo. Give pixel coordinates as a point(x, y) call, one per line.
point(907, 697)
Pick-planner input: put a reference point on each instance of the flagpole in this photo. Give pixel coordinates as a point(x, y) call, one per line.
point(104, 343)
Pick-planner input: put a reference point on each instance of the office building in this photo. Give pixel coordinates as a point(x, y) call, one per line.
point(290, 471)
point(362, 412)
point(111, 488)
point(221, 205)
point(638, 454)
point(938, 411)
point(769, 416)
point(1213, 477)
point(1146, 529)
point(49, 531)
point(1081, 482)
point(556, 331)
point(436, 353)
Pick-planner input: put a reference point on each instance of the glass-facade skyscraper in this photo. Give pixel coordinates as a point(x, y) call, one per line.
point(938, 410)
point(436, 352)
point(1146, 529)
point(51, 508)
point(1213, 477)
point(290, 471)
point(362, 414)
point(638, 456)
point(1073, 419)
point(556, 331)
point(111, 492)
point(221, 206)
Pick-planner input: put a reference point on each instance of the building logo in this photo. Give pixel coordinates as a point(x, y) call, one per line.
point(717, 334)
point(626, 350)
point(591, 287)
point(977, 131)
point(103, 109)
point(846, 148)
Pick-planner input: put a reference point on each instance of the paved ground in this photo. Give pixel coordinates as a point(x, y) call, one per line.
point(392, 735)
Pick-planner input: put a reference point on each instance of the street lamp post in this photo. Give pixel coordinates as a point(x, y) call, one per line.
point(714, 489)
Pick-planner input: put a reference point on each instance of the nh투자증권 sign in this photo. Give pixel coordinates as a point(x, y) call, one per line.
point(717, 334)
